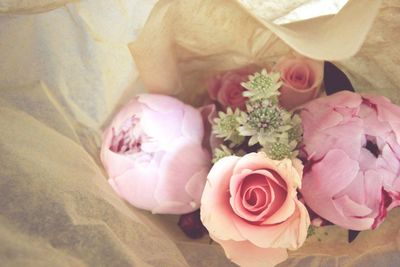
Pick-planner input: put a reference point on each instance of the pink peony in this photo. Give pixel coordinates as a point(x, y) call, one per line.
point(225, 88)
point(153, 155)
point(352, 143)
point(250, 207)
point(302, 79)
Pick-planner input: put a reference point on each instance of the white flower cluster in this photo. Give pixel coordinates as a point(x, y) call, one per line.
point(264, 126)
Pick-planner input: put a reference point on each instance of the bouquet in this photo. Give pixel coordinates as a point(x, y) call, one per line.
point(266, 159)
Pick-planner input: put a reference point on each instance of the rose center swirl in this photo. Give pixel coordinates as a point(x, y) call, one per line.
point(259, 196)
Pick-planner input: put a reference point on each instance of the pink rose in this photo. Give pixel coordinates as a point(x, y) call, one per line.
point(225, 88)
point(153, 155)
point(353, 147)
point(250, 207)
point(302, 79)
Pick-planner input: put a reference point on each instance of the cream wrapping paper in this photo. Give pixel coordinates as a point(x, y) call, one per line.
point(65, 70)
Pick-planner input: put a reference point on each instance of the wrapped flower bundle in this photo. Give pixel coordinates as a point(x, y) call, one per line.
point(261, 161)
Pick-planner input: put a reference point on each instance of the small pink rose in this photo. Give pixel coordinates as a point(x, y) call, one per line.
point(225, 88)
point(153, 154)
point(302, 79)
point(250, 207)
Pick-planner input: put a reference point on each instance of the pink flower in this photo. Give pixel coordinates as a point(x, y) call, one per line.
point(153, 155)
point(352, 142)
point(302, 79)
point(225, 88)
point(250, 207)
point(209, 113)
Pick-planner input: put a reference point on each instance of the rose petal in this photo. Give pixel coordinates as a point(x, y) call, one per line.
point(257, 161)
point(302, 79)
point(216, 213)
point(281, 202)
point(284, 235)
point(245, 182)
point(247, 254)
point(298, 77)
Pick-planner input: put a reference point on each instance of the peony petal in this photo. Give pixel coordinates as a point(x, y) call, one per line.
point(163, 127)
point(373, 181)
point(192, 124)
point(348, 138)
point(244, 253)
point(350, 208)
point(160, 103)
point(195, 186)
point(137, 187)
point(328, 178)
point(178, 166)
point(216, 213)
point(391, 159)
point(114, 163)
point(372, 125)
point(133, 107)
point(387, 112)
point(340, 99)
point(173, 207)
point(367, 160)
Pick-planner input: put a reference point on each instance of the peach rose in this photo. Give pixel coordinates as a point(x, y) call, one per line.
point(250, 207)
point(302, 78)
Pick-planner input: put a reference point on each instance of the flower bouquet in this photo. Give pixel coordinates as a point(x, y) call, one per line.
point(266, 162)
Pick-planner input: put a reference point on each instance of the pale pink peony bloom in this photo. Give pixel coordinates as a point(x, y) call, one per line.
point(250, 207)
point(302, 78)
point(352, 142)
point(153, 154)
point(225, 88)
